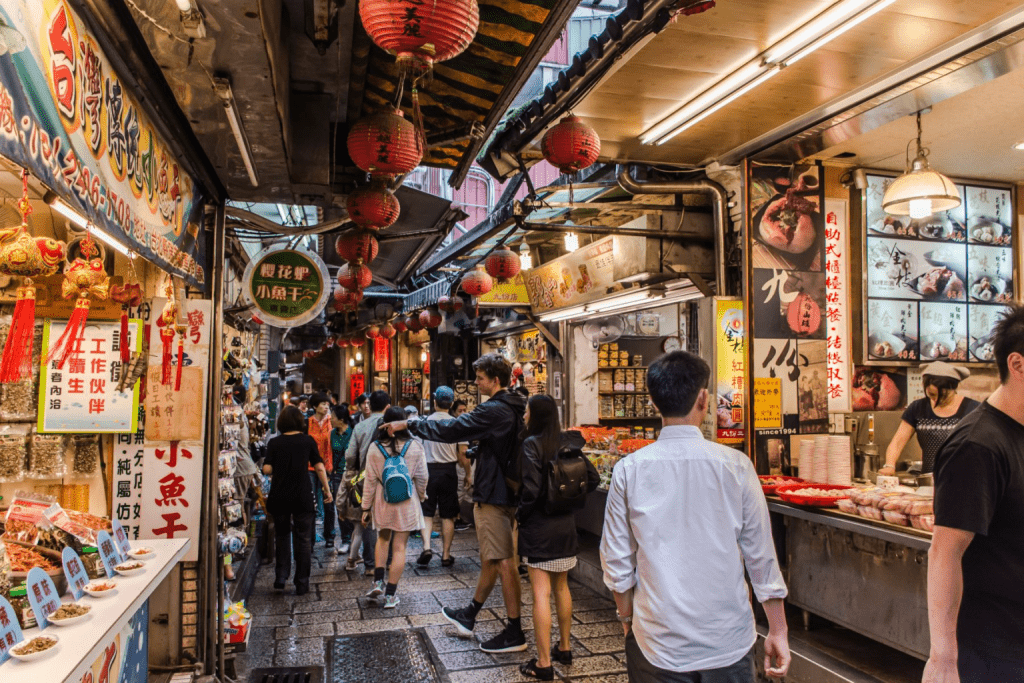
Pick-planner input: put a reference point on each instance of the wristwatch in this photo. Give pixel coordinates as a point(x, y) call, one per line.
point(628, 619)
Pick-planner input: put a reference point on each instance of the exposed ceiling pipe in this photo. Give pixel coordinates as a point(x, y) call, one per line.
point(719, 208)
point(262, 223)
point(607, 230)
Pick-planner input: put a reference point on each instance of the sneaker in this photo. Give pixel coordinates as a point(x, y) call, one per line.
point(460, 619)
point(561, 656)
point(462, 525)
point(425, 557)
point(416, 534)
point(506, 641)
point(377, 590)
point(435, 534)
point(391, 601)
point(328, 542)
point(344, 548)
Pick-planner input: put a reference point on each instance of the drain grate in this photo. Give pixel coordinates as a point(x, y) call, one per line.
point(375, 657)
point(288, 674)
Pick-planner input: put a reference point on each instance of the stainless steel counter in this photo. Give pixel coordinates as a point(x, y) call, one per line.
point(869, 577)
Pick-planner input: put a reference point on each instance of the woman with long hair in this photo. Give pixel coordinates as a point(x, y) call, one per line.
point(291, 503)
point(548, 541)
point(393, 521)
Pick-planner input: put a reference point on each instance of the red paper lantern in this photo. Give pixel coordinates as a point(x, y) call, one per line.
point(357, 246)
point(355, 277)
point(421, 33)
point(413, 323)
point(385, 143)
point(571, 145)
point(477, 282)
point(356, 341)
point(503, 264)
point(329, 343)
point(374, 207)
point(388, 331)
point(342, 342)
point(401, 324)
point(346, 300)
point(455, 304)
point(372, 332)
point(442, 303)
point(430, 317)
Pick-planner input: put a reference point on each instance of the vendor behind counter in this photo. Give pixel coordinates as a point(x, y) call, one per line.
point(933, 417)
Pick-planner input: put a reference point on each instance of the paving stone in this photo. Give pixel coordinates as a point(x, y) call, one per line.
point(583, 631)
point(297, 645)
point(595, 616)
point(444, 639)
point(305, 631)
point(503, 674)
point(300, 659)
point(324, 605)
point(434, 619)
point(345, 593)
point(345, 628)
point(328, 617)
point(470, 659)
point(272, 620)
point(591, 604)
point(605, 644)
point(600, 665)
point(264, 607)
point(617, 678)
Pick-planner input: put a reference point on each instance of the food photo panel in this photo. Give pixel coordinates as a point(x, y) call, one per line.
point(989, 216)
point(990, 274)
point(789, 303)
point(785, 205)
point(943, 332)
point(875, 389)
point(893, 334)
point(913, 269)
point(982, 321)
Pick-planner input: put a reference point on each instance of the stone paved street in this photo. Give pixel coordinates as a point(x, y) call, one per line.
point(296, 631)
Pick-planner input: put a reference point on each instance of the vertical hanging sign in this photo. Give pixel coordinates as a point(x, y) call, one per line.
point(837, 305)
point(730, 354)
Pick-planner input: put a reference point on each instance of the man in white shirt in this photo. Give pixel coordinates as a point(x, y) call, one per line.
point(684, 516)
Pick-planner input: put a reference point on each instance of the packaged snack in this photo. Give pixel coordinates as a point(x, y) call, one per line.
point(848, 506)
point(86, 454)
point(46, 456)
point(870, 512)
point(13, 445)
point(896, 517)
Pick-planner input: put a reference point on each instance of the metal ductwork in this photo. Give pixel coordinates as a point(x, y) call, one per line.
point(719, 208)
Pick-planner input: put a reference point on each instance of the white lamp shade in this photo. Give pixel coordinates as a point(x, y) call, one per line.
point(920, 184)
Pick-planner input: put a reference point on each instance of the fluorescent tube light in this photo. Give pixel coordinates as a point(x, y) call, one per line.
point(825, 27)
point(223, 89)
point(561, 314)
point(81, 221)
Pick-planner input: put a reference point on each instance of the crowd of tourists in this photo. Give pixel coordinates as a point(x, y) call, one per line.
point(687, 537)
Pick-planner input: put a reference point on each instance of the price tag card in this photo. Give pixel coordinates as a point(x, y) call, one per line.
point(10, 630)
point(74, 571)
point(121, 539)
point(108, 553)
point(42, 596)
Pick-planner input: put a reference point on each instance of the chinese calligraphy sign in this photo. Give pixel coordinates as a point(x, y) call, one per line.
point(172, 491)
point(289, 287)
point(837, 306)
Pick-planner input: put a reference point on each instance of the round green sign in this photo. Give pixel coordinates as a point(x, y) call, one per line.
point(287, 286)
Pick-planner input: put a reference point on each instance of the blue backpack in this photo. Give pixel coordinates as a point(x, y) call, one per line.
point(395, 476)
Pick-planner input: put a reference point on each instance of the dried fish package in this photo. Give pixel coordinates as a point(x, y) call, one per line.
point(86, 455)
point(46, 456)
point(13, 442)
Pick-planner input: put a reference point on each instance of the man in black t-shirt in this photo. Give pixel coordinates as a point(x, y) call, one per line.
point(976, 562)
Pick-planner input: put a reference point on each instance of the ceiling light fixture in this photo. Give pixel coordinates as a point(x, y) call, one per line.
point(920, 191)
point(359, 356)
point(812, 35)
point(81, 221)
point(184, 6)
point(572, 242)
point(222, 87)
point(1019, 147)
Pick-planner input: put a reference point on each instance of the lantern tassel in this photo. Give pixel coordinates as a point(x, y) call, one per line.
point(70, 341)
point(181, 363)
point(166, 336)
point(126, 354)
point(417, 114)
point(16, 364)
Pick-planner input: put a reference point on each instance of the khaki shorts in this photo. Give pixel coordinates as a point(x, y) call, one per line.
point(495, 531)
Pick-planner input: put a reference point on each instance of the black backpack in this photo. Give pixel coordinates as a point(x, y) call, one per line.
point(566, 479)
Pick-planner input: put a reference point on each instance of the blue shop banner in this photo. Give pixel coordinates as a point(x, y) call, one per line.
point(67, 117)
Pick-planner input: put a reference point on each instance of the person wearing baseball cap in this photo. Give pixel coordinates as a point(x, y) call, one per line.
point(933, 417)
point(443, 460)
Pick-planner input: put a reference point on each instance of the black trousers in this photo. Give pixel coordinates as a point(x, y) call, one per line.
point(294, 533)
point(975, 667)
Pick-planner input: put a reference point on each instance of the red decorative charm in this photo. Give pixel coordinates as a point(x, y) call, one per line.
point(329, 343)
point(571, 145)
point(372, 332)
point(413, 323)
point(385, 143)
point(85, 277)
point(477, 282)
point(421, 33)
point(388, 331)
point(373, 208)
point(356, 341)
point(401, 324)
point(430, 317)
point(357, 246)
point(354, 277)
point(503, 264)
point(341, 342)
point(129, 296)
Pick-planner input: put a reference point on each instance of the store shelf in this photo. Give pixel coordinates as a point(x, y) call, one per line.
point(624, 393)
point(631, 419)
point(626, 367)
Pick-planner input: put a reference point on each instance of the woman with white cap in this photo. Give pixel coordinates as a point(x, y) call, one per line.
point(933, 417)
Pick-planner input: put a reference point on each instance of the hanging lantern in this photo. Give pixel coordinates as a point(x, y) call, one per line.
point(329, 343)
point(571, 145)
point(414, 323)
point(442, 303)
point(421, 34)
point(385, 144)
point(477, 282)
point(357, 246)
point(341, 342)
point(372, 332)
point(430, 317)
point(388, 331)
point(503, 264)
point(401, 324)
point(355, 277)
point(356, 341)
point(373, 208)
point(450, 304)
point(346, 300)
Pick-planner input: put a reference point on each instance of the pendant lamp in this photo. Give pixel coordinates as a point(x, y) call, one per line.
point(920, 192)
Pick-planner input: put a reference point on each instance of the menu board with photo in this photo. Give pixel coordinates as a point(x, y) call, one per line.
point(936, 286)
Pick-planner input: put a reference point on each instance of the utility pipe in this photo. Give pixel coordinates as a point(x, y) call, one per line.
point(606, 230)
point(719, 208)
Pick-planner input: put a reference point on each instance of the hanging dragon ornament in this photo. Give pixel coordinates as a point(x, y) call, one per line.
point(22, 255)
point(83, 278)
point(129, 295)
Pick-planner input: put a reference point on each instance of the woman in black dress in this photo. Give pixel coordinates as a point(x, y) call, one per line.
point(290, 503)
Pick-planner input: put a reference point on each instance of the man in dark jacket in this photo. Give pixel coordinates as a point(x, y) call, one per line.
point(497, 425)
